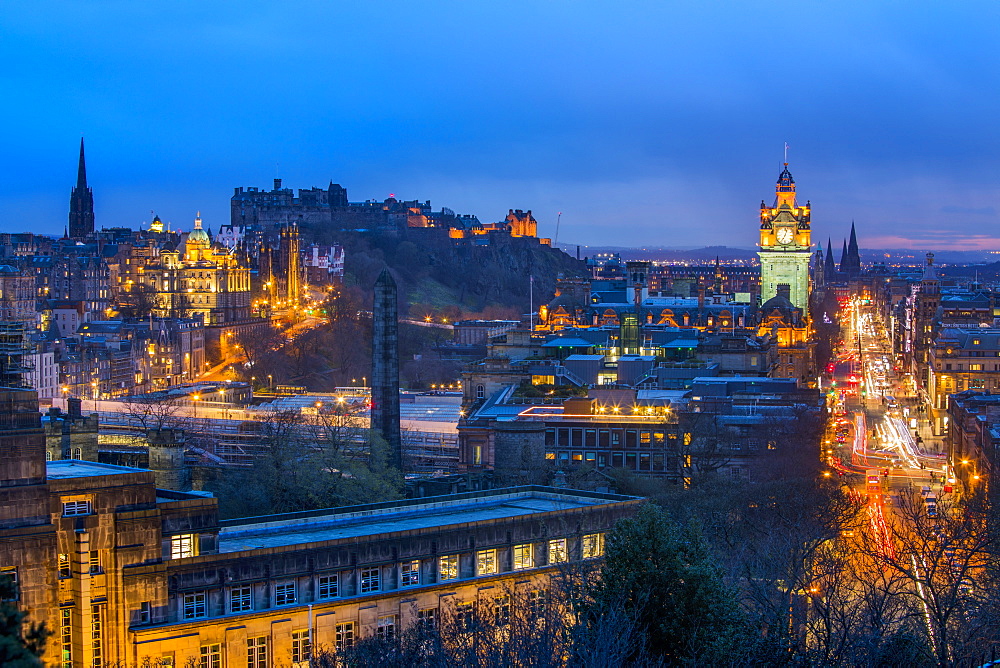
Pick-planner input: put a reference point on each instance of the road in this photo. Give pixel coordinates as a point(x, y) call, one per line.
point(879, 419)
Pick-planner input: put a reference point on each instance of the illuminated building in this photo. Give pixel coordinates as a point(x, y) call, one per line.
point(785, 245)
point(128, 574)
point(192, 278)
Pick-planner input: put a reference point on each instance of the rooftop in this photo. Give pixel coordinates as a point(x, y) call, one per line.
point(407, 515)
point(75, 468)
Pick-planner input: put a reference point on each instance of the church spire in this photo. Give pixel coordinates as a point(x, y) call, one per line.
point(831, 266)
point(843, 257)
point(81, 203)
point(81, 170)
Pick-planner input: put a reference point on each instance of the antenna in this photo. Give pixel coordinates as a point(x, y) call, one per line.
point(786, 154)
point(555, 242)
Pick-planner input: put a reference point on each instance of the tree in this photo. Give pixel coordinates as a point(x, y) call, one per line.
point(21, 643)
point(662, 573)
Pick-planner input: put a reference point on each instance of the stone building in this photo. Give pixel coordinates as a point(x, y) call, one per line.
point(123, 572)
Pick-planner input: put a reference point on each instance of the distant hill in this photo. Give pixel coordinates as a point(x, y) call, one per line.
point(663, 254)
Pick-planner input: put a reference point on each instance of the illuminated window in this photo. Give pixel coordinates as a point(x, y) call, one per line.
point(523, 556)
point(486, 562)
point(328, 586)
point(557, 550)
point(64, 571)
point(409, 573)
point(71, 508)
point(370, 580)
point(182, 545)
point(593, 546)
point(344, 636)
point(448, 567)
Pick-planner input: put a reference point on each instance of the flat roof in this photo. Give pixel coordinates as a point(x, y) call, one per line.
point(76, 468)
point(409, 515)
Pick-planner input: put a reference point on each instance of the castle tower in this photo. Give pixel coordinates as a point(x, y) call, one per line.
point(785, 244)
point(81, 203)
point(385, 367)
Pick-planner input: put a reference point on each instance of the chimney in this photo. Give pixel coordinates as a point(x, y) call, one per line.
point(277, 184)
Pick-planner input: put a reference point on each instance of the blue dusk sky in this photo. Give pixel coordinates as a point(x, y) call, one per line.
point(645, 123)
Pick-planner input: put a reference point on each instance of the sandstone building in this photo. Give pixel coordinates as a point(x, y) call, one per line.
point(123, 572)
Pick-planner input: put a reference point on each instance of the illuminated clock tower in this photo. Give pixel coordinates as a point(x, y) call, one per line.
point(785, 245)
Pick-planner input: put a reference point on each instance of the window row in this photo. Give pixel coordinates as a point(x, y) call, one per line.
point(261, 652)
point(635, 461)
point(608, 438)
point(367, 580)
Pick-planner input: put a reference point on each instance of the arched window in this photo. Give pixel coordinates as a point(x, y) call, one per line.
point(77, 453)
point(480, 392)
point(48, 456)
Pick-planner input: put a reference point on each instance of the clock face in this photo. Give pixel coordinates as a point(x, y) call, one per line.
point(784, 236)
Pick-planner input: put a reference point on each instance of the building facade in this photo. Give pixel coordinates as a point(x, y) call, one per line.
point(124, 573)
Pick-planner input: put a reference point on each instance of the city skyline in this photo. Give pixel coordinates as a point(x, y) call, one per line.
point(639, 130)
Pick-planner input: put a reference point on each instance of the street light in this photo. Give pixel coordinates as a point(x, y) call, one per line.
point(196, 398)
point(270, 383)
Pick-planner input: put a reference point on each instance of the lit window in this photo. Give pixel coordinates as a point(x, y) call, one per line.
point(386, 627)
point(370, 580)
point(409, 573)
point(257, 654)
point(328, 586)
point(593, 546)
point(195, 605)
point(486, 562)
point(182, 545)
point(557, 550)
point(344, 636)
point(523, 556)
point(71, 508)
point(64, 571)
point(211, 656)
point(284, 593)
point(240, 599)
point(301, 646)
point(448, 567)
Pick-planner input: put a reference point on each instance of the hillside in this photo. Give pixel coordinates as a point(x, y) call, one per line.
point(438, 275)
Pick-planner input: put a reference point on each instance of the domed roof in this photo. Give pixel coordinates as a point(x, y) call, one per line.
point(198, 235)
point(779, 302)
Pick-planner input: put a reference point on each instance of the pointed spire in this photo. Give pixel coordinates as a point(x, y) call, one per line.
point(81, 170)
point(831, 266)
point(843, 257)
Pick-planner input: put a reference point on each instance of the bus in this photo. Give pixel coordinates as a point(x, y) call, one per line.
point(873, 480)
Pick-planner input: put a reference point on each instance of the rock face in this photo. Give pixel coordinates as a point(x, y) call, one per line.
point(385, 367)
